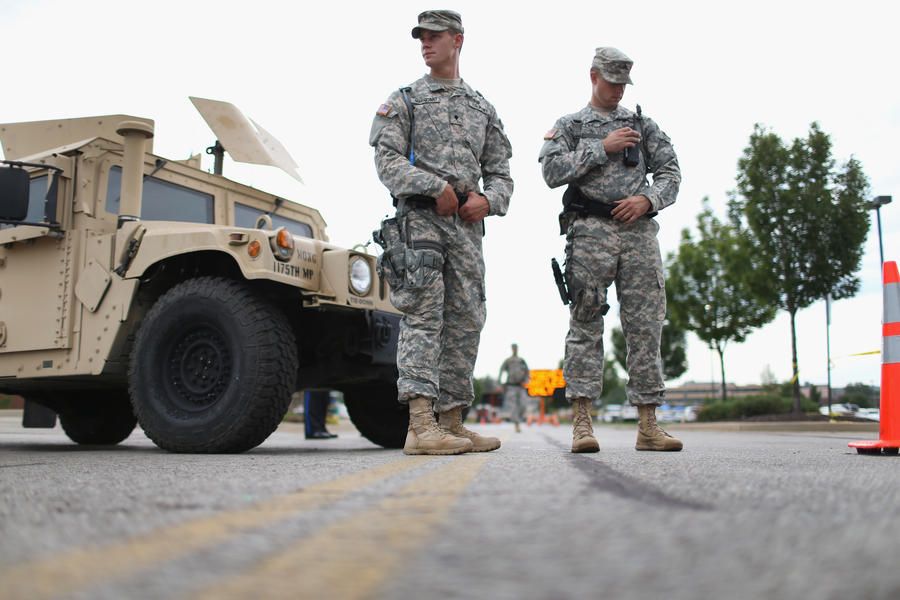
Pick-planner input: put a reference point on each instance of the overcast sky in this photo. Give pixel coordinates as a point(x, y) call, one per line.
point(314, 74)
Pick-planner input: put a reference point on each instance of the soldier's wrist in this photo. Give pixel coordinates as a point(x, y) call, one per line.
point(598, 152)
point(492, 209)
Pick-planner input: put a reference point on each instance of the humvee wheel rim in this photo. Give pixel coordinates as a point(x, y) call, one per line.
point(199, 368)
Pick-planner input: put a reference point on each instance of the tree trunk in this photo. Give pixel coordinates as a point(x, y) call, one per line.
point(795, 387)
point(722, 369)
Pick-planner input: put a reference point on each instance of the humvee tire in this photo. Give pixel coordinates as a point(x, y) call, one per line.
point(103, 418)
point(213, 368)
point(377, 414)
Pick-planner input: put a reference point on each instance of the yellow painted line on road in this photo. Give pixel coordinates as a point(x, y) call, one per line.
point(84, 567)
point(352, 558)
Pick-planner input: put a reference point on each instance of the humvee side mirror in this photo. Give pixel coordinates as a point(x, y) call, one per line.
point(14, 184)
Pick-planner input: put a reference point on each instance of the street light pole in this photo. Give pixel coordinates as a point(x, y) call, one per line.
point(828, 345)
point(877, 203)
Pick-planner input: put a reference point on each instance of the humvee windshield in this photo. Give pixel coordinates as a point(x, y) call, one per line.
point(163, 201)
point(166, 201)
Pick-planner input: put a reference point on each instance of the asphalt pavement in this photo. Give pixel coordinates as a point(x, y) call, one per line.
point(737, 514)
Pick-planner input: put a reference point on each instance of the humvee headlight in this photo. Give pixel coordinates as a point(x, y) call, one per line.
point(360, 276)
point(283, 244)
point(254, 248)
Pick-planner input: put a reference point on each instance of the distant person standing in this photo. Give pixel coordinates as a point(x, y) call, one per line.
point(515, 396)
point(436, 141)
point(315, 413)
point(604, 153)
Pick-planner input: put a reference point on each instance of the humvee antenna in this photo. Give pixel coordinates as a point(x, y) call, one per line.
point(218, 152)
point(278, 203)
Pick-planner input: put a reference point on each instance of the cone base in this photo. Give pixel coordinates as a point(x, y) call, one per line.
point(875, 444)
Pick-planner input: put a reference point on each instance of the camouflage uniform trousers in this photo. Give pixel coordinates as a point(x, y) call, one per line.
point(600, 252)
point(515, 398)
point(444, 309)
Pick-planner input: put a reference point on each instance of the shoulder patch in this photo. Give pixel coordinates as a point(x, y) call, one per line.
point(551, 134)
point(384, 110)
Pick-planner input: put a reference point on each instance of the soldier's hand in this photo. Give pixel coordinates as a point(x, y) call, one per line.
point(630, 209)
point(618, 140)
point(447, 203)
point(475, 209)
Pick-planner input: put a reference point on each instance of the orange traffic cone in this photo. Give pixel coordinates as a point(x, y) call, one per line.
point(889, 421)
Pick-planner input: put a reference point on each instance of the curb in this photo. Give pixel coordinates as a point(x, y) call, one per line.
point(795, 426)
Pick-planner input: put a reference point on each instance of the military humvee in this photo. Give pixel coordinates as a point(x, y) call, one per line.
point(136, 289)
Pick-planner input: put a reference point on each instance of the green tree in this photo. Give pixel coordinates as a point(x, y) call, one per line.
point(862, 395)
point(814, 394)
point(484, 385)
point(709, 286)
point(673, 348)
point(613, 385)
point(767, 378)
point(807, 221)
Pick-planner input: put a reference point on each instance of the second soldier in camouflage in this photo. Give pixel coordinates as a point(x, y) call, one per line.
point(610, 238)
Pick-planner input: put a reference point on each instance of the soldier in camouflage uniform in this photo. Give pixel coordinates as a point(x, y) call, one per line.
point(434, 142)
point(611, 238)
point(514, 394)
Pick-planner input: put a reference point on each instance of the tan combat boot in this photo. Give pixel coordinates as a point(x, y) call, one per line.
point(451, 421)
point(650, 435)
point(425, 436)
point(583, 439)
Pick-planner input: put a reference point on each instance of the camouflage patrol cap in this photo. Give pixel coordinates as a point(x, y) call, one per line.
point(614, 66)
point(438, 20)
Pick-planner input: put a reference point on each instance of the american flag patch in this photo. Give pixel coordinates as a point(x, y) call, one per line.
point(384, 110)
point(551, 134)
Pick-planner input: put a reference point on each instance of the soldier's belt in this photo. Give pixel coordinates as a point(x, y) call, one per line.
point(576, 202)
point(421, 201)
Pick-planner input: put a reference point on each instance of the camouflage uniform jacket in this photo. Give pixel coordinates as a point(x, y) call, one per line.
point(573, 153)
point(459, 140)
point(516, 369)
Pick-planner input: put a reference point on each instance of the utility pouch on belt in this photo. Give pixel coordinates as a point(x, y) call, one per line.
point(419, 261)
point(403, 266)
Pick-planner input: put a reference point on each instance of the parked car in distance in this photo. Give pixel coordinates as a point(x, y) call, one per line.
point(611, 413)
point(872, 414)
point(840, 410)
